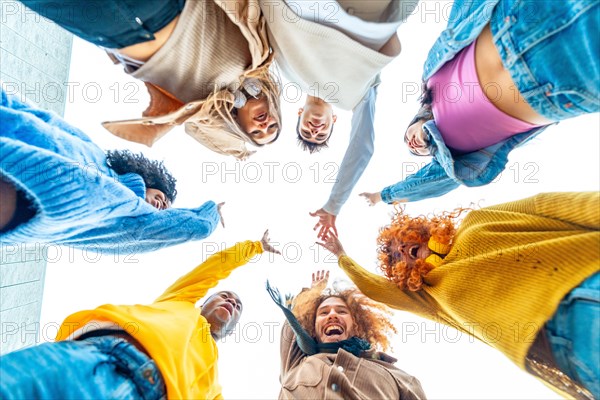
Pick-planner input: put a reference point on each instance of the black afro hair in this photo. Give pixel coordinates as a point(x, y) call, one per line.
point(153, 172)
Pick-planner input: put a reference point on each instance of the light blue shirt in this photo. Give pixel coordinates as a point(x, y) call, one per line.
point(359, 152)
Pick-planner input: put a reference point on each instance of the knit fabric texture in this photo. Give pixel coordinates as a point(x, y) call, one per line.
point(79, 200)
point(206, 51)
point(508, 269)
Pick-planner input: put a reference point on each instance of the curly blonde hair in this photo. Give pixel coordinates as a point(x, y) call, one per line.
point(407, 229)
point(371, 319)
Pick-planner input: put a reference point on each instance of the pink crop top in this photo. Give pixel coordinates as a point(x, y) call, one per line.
point(465, 117)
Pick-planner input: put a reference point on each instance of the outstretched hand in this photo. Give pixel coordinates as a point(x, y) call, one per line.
point(319, 277)
point(372, 198)
point(221, 213)
point(326, 223)
point(266, 245)
point(332, 244)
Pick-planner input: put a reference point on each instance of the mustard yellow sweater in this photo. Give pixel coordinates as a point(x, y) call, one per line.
point(172, 330)
point(507, 271)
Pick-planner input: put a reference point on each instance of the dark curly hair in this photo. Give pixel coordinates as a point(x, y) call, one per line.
point(309, 146)
point(153, 172)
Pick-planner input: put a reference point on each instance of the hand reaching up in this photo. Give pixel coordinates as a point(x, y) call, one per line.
point(372, 198)
point(319, 277)
point(326, 222)
point(220, 213)
point(266, 245)
point(332, 244)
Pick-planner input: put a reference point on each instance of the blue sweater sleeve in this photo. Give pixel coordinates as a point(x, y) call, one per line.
point(15, 112)
point(430, 181)
point(359, 152)
point(150, 232)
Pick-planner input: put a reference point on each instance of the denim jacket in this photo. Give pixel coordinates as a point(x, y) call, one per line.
point(447, 170)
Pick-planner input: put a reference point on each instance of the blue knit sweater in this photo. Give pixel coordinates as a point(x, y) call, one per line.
point(80, 201)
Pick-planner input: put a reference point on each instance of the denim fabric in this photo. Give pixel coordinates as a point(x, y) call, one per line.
point(552, 50)
point(103, 367)
point(535, 40)
point(574, 334)
point(109, 23)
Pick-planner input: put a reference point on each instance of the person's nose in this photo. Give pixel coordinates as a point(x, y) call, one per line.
point(232, 301)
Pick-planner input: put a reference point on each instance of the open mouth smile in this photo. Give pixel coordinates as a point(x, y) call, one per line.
point(333, 330)
point(414, 251)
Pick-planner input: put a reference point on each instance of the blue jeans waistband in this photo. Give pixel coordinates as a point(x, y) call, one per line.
point(552, 51)
point(132, 362)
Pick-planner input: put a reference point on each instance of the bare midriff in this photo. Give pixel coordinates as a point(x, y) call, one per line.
point(143, 51)
point(498, 84)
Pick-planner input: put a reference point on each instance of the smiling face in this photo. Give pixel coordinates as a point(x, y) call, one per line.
point(222, 310)
point(333, 321)
point(416, 139)
point(316, 120)
point(256, 120)
point(157, 199)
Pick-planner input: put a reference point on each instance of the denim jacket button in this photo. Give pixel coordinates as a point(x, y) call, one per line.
point(138, 20)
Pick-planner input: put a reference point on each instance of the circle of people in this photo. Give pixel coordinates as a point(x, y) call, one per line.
point(224, 91)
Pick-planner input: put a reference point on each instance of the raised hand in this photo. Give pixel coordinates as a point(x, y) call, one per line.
point(266, 245)
point(372, 198)
point(332, 244)
point(319, 277)
point(326, 223)
point(220, 213)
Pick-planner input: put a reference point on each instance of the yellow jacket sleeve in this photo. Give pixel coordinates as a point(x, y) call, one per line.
point(578, 208)
point(194, 285)
point(382, 290)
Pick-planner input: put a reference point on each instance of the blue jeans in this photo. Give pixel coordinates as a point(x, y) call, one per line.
point(552, 50)
point(574, 334)
point(109, 23)
point(103, 367)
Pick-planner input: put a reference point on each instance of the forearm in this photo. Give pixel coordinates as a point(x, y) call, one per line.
point(384, 291)
point(358, 154)
point(430, 181)
point(194, 285)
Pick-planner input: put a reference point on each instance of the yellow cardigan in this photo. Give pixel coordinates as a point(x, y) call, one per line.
point(508, 269)
point(172, 330)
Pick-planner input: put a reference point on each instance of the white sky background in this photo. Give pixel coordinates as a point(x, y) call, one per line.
point(279, 197)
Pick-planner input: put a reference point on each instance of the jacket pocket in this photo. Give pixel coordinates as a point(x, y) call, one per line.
point(309, 373)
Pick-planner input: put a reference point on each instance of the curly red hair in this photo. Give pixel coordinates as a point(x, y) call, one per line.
point(407, 229)
point(371, 319)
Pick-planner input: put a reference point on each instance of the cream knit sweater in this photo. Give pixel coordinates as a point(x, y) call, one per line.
point(324, 62)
